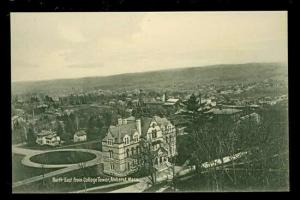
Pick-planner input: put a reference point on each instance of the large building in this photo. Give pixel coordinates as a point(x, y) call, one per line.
point(122, 143)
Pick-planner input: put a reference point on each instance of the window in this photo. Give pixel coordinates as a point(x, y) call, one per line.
point(110, 142)
point(111, 153)
point(154, 134)
point(126, 140)
point(127, 152)
point(112, 166)
point(160, 159)
point(132, 151)
point(128, 165)
point(135, 138)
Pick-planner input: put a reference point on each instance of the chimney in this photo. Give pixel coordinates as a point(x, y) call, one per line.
point(120, 121)
point(124, 121)
point(164, 97)
point(139, 126)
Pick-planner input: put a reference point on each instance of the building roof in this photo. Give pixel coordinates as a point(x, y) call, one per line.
point(119, 131)
point(80, 133)
point(161, 121)
point(131, 118)
point(250, 116)
point(45, 133)
point(51, 136)
point(169, 103)
point(225, 111)
point(171, 100)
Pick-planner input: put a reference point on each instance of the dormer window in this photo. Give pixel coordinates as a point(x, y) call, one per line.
point(110, 142)
point(126, 140)
point(135, 138)
point(154, 134)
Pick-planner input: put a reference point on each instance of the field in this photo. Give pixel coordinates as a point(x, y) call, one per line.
point(62, 157)
point(21, 172)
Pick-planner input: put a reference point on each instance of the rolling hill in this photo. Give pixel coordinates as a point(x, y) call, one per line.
point(183, 78)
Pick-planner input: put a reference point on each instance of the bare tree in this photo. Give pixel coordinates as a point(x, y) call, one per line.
point(146, 160)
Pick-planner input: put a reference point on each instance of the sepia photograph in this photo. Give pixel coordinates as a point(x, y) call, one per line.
point(149, 102)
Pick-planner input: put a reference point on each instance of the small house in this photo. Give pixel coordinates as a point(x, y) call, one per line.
point(47, 138)
point(80, 136)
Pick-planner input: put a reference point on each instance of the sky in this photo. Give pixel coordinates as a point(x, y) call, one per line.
point(48, 46)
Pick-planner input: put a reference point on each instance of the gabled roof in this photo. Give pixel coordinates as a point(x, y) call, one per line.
point(225, 111)
point(171, 100)
point(80, 133)
point(131, 118)
point(119, 131)
point(45, 133)
point(51, 136)
point(160, 149)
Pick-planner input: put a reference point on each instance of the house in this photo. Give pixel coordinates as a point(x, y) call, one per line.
point(47, 138)
point(225, 113)
point(80, 136)
point(122, 144)
point(172, 103)
point(253, 117)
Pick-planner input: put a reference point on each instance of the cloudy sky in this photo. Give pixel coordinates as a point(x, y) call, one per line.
point(69, 45)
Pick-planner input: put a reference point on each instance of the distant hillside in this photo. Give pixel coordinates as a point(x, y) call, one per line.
point(183, 78)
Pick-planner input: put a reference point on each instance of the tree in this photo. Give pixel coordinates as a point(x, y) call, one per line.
point(60, 129)
point(174, 175)
point(31, 135)
point(210, 139)
point(107, 118)
point(146, 159)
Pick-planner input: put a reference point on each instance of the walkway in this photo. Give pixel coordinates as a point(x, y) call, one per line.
point(94, 189)
point(136, 188)
point(66, 168)
point(26, 160)
point(17, 149)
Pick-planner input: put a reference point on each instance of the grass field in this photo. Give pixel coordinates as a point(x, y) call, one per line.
point(62, 157)
point(21, 172)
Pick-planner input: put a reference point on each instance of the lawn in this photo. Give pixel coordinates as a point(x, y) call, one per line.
point(109, 189)
point(62, 157)
point(90, 144)
point(21, 172)
point(49, 186)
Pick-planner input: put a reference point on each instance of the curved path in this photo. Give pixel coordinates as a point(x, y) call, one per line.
point(65, 168)
point(26, 160)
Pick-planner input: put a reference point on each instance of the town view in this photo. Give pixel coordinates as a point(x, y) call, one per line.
point(208, 128)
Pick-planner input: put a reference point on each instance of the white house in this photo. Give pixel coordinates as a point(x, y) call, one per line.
point(47, 138)
point(80, 136)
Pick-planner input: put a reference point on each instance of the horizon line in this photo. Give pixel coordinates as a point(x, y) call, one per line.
point(170, 69)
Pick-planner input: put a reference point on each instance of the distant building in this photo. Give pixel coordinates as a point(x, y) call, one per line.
point(47, 138)
point(253, 117)
point(225, 113)
point(80, 136)
point(122, 143)
point(111, 103)
point(172, 103)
